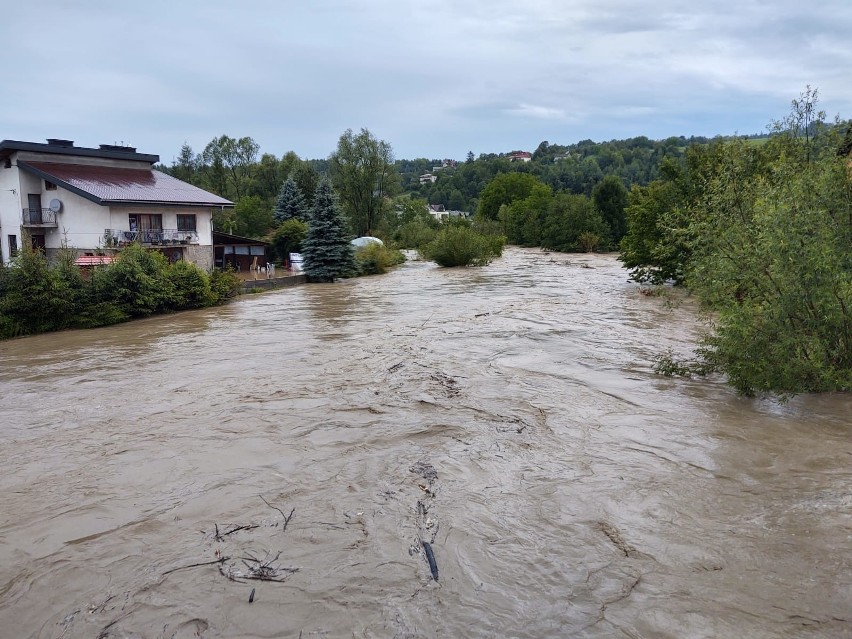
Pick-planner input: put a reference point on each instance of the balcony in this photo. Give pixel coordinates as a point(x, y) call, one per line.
point(150, 237)
point(38, 218)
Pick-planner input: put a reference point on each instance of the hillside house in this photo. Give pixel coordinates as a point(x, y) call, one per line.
point(98, 200)
point(520, 156)
point(438, 212)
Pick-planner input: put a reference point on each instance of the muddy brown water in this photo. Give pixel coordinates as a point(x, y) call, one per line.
point(508, 416)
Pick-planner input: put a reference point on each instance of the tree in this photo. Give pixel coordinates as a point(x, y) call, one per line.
point(659, 240)
point(326, 249)
point(570, 224)
point(252, 216)
point(362, 170)
point(307, 179)
point(267, 176)
point(505, 189)
point(772, 256)
point(186, 165)
point(610, 198)
point(288, 238)
point(290, 204)
point(522, 219)
point(228, 163)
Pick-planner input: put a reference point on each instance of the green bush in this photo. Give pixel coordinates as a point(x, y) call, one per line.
point(36, 297)
point(137, 281)
point(224, 284)
point(377, 258)
point(415, 234)
point(190, 286)
point(462, 246)
point(288, 238)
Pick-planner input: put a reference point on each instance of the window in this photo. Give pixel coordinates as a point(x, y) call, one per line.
point(150, 222)
point(13, 245)
point(49, 186)
point(186, 222)
point(258, 250)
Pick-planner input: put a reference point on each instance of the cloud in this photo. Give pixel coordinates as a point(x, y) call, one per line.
point(435, 79)
point(537, 111)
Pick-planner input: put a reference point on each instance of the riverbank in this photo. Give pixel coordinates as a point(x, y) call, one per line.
point(256, 281)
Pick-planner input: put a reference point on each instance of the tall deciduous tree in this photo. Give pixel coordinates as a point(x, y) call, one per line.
point(326, 250)
point(229, 163)
point(505, 189)
point(307, 179)
point(252, 216)
point(290, 204)
point(570, 221)
point(610, 198)
point(362, 170)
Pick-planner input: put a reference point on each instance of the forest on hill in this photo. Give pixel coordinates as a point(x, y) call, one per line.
point(236, 169)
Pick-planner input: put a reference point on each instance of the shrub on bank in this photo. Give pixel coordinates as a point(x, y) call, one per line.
point(375, 258)
point(462, 246)
point(37, 297)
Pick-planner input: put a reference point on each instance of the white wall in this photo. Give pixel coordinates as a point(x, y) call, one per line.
point(10, 209)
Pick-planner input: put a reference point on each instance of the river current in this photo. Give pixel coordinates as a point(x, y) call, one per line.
point(505, 419)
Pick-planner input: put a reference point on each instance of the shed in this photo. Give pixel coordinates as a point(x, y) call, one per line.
point(240, 253)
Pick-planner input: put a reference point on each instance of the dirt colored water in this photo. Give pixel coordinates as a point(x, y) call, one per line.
point(506, 416)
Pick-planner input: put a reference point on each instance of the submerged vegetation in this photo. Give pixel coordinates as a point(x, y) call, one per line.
point(762, 235)
point(375, 259)
point(461, 245)
point(37, 297)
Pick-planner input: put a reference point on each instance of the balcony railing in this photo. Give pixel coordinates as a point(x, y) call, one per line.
point(39, 217)
point(153, 237)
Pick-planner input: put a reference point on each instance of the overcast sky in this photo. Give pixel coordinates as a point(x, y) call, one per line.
point(435, 78)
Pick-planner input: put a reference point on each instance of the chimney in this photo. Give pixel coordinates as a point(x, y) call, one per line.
point(58, 142)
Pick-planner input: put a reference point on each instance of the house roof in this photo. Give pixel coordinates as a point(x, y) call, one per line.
point(66, 147)
point(225, 238)
point(115, 186)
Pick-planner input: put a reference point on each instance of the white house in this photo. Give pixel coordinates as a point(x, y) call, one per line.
point(520, 156)
point(99, 199)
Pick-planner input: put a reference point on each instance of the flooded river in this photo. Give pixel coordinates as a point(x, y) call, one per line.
point(506, 416)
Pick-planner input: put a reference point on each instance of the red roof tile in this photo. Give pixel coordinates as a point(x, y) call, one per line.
point(108, 185)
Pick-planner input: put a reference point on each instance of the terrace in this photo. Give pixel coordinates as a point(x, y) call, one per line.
point(152, 237)
point(38, 218)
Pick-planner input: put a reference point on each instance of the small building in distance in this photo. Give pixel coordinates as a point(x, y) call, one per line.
point(519, 156)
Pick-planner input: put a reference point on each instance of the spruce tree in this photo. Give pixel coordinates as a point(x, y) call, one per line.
point(326, 250)
point(290, 204)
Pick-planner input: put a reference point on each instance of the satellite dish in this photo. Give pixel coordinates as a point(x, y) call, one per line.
point(55, 205)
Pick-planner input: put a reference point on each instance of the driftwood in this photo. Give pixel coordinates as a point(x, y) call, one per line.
point(287, 518)
point(203, 563)
point(258, 570)
point(236, 528)
point(430, 556)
